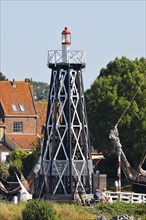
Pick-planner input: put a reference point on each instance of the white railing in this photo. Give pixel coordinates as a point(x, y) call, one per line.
point(128, 197)
point(73, 56)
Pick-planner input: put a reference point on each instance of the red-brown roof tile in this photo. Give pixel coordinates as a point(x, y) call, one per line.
point(17, 92)
point(41, 109)
point(23, 141)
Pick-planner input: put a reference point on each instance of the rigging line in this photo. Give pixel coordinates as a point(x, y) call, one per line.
point(143, 157)
point(122, 115)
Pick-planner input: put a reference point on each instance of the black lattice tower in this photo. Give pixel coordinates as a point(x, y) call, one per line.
point(66, 155)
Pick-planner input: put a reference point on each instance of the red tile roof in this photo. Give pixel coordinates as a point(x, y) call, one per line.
point(17, 92)
point(23, 141)
point(41, 109)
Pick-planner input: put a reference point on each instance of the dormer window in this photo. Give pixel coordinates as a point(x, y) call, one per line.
point(14, 107)
point(22, 107)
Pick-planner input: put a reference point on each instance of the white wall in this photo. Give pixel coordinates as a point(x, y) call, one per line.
point(3, 156)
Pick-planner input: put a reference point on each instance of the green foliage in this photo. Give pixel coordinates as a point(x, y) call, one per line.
point(17, 156)
point(30, 160)
point(2, 77)
point(9, 211)
point(36, 147)
point(41, 91)
point(120, 208)
point(110, 94)
point(39, 210)
point(4, 170)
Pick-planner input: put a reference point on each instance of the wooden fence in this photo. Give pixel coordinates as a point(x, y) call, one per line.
point(128, 197)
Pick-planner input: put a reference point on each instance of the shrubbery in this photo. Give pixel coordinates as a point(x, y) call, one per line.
point(39, 210)
point(120, 208)
point(45, 210)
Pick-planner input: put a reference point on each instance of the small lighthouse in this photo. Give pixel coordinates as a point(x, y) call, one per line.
point(66, 166)
point(66, 43)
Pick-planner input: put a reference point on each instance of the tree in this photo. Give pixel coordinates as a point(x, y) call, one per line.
point(41, 91)
point(2, 77)
point(30, 160)
point(107, 99)
point(17, 157)
point(4, 173)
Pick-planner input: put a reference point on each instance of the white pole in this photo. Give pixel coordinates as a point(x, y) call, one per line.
point(119, 170)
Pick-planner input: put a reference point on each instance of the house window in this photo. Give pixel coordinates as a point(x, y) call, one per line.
point(17, 126)
point(22, 107)
point(14, 107)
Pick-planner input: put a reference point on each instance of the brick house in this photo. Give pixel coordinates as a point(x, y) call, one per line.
point(21, 119)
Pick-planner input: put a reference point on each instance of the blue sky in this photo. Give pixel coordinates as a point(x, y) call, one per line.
point(104, 29)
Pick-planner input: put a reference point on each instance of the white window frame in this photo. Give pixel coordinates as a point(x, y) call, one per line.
point(17, 126)
point(22, 108)
point(14, 107)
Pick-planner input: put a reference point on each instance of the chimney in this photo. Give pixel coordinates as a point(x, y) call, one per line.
point(28, 80)
point(14, 83)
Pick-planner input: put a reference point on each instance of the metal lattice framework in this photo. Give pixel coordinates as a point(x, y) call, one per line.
point(73, 56)
point(66, 157)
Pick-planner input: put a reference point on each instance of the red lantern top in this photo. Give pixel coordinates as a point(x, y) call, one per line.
point(66, 36)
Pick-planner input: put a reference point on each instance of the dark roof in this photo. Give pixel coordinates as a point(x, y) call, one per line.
point(3, 148)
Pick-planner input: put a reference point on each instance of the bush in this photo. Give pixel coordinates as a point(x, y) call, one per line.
point(4, 170)
point(120, 208)
point(39, 210)
point(9, 211)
